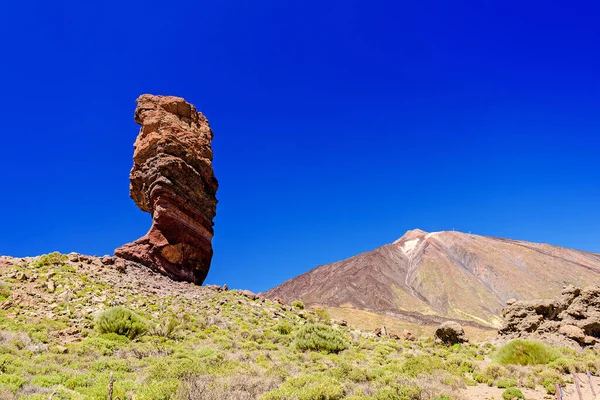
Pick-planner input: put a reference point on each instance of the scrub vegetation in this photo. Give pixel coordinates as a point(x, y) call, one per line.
point(67, 326)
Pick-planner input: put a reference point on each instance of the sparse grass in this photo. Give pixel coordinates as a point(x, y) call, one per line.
point(526, 352)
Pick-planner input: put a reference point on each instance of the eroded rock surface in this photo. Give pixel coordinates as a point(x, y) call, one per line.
point(571, 319)
point(172, 178)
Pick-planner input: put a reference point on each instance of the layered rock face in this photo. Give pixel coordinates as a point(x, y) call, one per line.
point(172, 178)
point(573, 318)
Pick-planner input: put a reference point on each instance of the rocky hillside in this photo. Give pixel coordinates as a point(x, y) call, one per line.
point(81, 327)
point(423, 277)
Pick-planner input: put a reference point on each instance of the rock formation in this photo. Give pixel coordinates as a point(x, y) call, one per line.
point(450, 332)
point(573, 318)
point(172, 178)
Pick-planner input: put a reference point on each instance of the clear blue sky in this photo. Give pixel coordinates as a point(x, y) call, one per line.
point(338, 125)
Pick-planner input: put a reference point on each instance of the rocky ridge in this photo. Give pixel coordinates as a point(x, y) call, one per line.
point(572, 319)
point(172, 178)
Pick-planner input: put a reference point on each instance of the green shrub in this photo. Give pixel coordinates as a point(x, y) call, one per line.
point(322, 316)
point(547, 378)
point(167, 328)
point(525, 352)
point(284, 328)
point(121, 321)
point(563, 365)
point(318, 337)
point(495, 371)
point(481, 377)
point(4, 291)
point(51, 259)
point(403, 392)
point(307, 387)
point(506, 383)
point(298, 304)
point(11, 382)
point(420, 364)
point(511, 393)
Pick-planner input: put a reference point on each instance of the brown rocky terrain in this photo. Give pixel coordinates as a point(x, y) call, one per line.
point(426, 278)
point(172, 178)
point(571, 319)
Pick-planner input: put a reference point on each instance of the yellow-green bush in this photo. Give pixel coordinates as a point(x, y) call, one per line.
point(526, 352)
point(307, 387)
point(54, 258)
point(298, 304)
point(122, 321)
point(318, 337)
point(512, 393)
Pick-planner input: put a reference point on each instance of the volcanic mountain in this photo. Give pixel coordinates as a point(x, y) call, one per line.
point(425, 278)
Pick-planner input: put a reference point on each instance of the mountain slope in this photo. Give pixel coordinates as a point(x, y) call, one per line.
point(423, 277)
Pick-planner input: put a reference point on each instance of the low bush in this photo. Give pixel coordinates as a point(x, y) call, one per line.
point(394, 392)
point(322, 316)
point(298, 304)
point(11, 382)
point(4, 291)
point(318, 337)
point(512, 393)
point(284, 328)
point(51, 259)
point(167, 328)
point(307, 387)
point(526, 352)
point(421, 364)
point(481, 377)
point(506, 383)
point(122, 321)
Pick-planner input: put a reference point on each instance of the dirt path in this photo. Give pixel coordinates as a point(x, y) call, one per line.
point(484, 392)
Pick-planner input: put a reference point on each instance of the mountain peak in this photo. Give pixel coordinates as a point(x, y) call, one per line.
point(445, 274)
point(415, 234)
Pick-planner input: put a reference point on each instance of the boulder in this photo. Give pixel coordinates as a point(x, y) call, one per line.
point(450, 332)
point(572, 332)
point(381, 331)
point(172, 179)
point(249, 294)
point(407, 335)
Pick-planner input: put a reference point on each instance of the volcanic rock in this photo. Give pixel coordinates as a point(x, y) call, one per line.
point(571, 319)
point(172, 178)
point(428, 277)
point(450, 332)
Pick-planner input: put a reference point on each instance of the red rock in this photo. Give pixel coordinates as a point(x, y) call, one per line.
point(173, 179)
point(249, 294)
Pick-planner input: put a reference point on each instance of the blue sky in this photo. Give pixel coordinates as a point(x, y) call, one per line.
point(338, 125)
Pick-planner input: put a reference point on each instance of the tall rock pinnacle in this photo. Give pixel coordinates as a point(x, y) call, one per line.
point(172, 178)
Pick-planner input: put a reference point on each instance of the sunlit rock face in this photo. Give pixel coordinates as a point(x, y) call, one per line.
point(172, 178)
